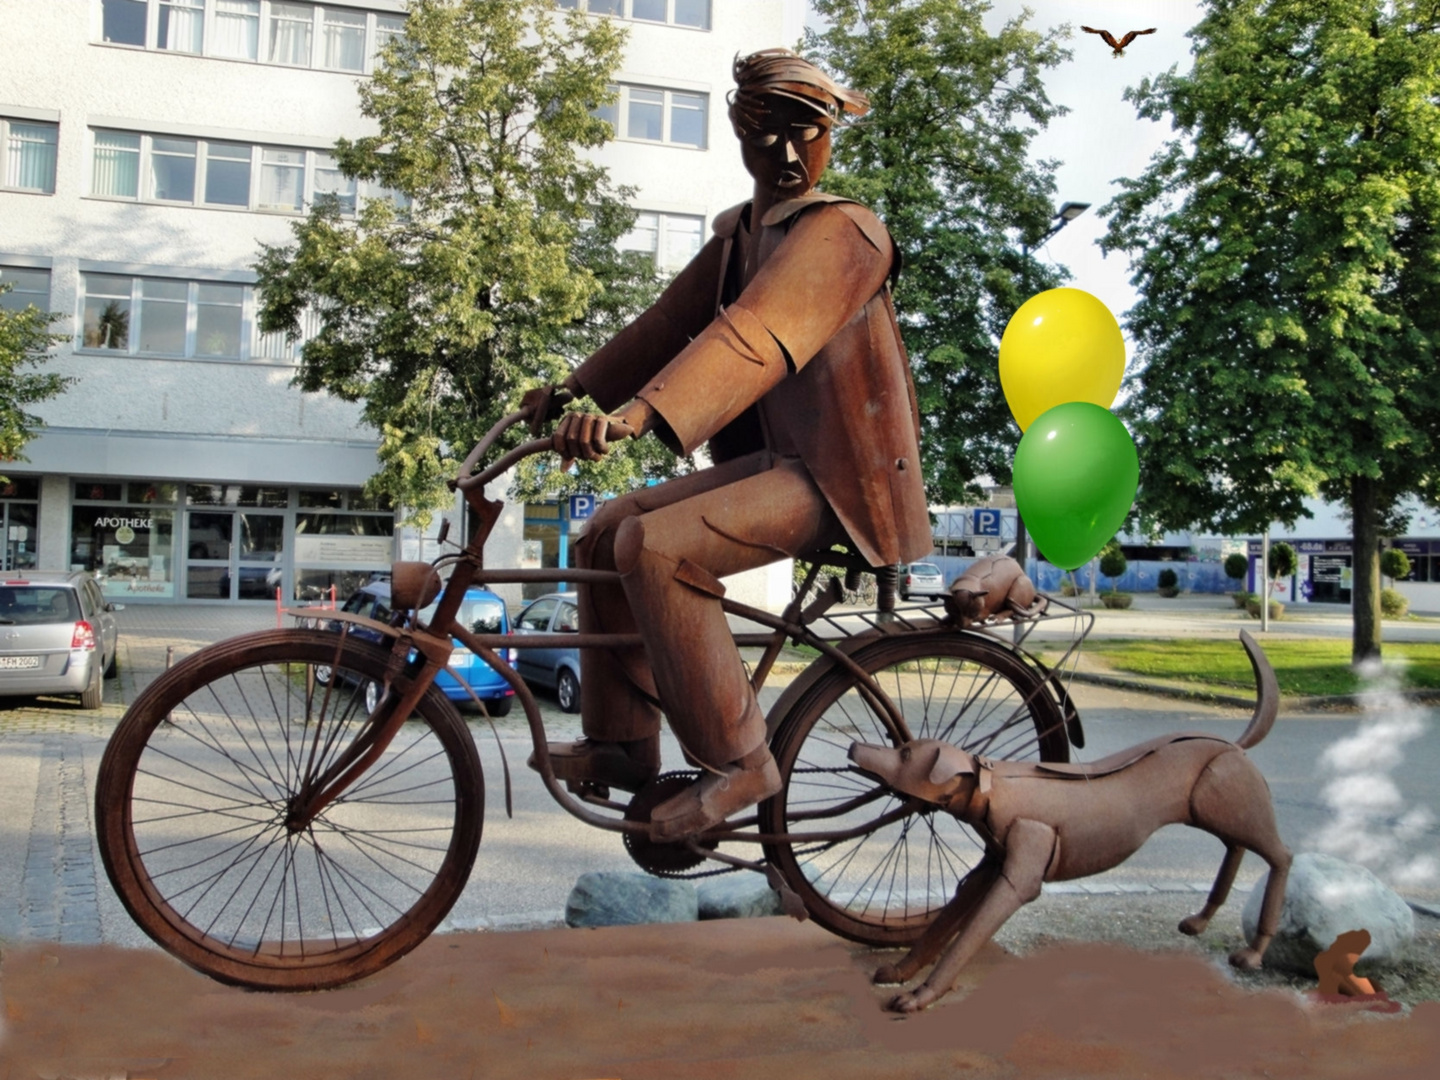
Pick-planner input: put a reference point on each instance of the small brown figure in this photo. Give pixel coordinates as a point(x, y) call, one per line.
point(1055, 822)
point(992, 587)
point(1117, 46)
point(1336, 965)
point(778, 347)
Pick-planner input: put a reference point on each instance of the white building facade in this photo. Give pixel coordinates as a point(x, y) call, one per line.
point(147, 149)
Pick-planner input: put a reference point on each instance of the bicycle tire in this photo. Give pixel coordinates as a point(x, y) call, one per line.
point(873, 888)
point(191, 799)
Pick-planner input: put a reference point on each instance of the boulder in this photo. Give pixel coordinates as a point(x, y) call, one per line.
point(738, 896)
point(1324, 897)
point(621, 899)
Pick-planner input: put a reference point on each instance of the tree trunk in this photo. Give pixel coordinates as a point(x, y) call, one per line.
point(1365, 584)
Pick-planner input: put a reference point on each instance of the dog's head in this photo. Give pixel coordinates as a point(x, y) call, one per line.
point(928, 769)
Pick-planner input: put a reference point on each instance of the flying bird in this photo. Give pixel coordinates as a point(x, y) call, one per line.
point(1118, 46)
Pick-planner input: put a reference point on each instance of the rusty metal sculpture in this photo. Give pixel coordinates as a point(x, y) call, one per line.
point(1054, 822)
point(994, 587)
point(778, 346)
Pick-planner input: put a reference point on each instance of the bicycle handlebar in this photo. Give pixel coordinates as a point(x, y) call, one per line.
point(468, 479)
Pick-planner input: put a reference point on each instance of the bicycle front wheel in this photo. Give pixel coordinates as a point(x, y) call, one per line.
point(884, 885)
point(197, 782)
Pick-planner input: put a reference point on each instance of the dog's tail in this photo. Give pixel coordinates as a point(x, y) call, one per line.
point(1267, 701)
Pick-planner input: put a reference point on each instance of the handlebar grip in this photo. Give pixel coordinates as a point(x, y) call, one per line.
point(616, 430)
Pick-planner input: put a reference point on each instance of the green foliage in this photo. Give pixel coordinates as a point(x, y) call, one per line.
point(25, 341)
point(1167, 579)
point(1394, 563)
point(1112, 562)
point(943, 159)
point(1283, 561)
point(1393, 604)
point(1236, 566)
point(1285, 248)
point(500, 273)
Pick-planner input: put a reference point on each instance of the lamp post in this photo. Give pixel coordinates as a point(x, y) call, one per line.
point(1067, 213)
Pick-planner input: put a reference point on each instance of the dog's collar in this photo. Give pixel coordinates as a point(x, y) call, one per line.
point(983, 767)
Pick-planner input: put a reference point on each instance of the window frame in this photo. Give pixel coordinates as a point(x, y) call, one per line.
point(312, 162)
point(628, 13)
point(373, 36)
point(8, 299)
point(663, 222)
point(6, 123)
point(621, 110)
point(136, 317)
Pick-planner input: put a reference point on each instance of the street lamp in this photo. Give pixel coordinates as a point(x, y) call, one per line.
point(1067, 213)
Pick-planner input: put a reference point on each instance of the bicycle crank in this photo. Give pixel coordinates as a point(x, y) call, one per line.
point(662, 860)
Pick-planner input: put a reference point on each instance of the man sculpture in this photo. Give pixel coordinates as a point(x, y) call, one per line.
point(778, 346)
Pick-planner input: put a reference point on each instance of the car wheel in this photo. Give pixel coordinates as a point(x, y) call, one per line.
point(93, 695)
point(111, 669)
point(567, 691)
point(904, 595)
point(372, 695)
point(499, 706)
point(322, 674)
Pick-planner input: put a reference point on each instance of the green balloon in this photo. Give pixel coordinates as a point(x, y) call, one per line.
point(1076, 472)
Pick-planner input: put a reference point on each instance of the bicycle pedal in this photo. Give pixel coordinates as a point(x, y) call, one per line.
point(583, 788)
point(790, 902)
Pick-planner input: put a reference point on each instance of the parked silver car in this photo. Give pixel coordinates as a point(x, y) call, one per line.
point(921, 579)
point(57, 636)
point(558, 668)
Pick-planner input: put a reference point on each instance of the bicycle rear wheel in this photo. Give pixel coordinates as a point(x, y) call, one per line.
point(884, 885)
point(195, 786)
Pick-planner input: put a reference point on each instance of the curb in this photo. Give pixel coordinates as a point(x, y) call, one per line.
point(1297, 704)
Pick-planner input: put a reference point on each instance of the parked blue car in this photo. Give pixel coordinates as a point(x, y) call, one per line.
point(481, 611)
point(559, 668)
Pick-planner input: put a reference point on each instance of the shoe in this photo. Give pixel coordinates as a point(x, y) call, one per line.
point(608, 764)
point(712, 799)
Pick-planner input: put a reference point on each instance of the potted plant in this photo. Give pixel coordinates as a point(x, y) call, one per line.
point(1112, 566)
point(1283, 563)
point(1236, 567)
point(1168, 584)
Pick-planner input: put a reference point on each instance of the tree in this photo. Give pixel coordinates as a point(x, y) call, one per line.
point(942, 158)
point(1288, 258)
point(1283, 562)
point(1113, 563)
point(25, 341)
point(495, 269)
point(1236, 566)
point(1394, 563)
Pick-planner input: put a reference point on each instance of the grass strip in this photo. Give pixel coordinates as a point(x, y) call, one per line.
point(1303, 668)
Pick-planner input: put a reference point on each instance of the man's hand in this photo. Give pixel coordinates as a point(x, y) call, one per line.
point(589, 435)
point(544, 404)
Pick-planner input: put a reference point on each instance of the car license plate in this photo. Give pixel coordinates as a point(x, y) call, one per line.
point(19, 663)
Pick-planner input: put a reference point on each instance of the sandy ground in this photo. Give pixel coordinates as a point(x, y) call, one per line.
point(748, 998)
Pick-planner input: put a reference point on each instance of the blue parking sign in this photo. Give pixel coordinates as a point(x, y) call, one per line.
point(987, 522)
point(581, 506)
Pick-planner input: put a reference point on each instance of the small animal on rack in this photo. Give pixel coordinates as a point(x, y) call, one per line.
point(1118, 46)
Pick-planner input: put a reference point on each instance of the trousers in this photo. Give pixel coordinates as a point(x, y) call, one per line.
point(671, 544)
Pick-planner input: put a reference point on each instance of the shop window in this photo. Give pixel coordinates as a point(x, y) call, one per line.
point(19, 523)
point(129, 549)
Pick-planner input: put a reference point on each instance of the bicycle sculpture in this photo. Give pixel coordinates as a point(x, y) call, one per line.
point(263, 824)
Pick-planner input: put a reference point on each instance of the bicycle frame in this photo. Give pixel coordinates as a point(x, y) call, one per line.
point(419, 654)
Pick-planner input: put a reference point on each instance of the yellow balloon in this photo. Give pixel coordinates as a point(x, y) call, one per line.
point(1062, 345)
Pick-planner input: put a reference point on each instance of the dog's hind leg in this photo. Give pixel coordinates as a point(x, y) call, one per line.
point(949, 921)
point(1196, 923)
point(1030, 847)
point(1278, 856)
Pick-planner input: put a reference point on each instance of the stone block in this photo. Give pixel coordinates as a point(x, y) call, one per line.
point(622, 899)
point(737, 896)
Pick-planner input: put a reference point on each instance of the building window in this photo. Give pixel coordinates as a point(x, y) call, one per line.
point(27, 287)
point(125, 534)
point(692, 13)
point(164, 317)
point(652, 114)
point(19, 523)
point(208, 172)
point(27, 155)
point(672, 240)
point(326, 36)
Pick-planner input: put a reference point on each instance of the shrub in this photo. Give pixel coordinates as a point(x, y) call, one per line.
point(1394, 563)
point(1241, 598)
point(1113, 563)
point(1393, 604)
point(1283, 561)
point(1168, 579)
point(1236, 566)
point(1277, 609)
point(1117, 600)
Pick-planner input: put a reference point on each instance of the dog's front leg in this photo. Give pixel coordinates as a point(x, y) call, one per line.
point(1029, 850)
point(949, 921)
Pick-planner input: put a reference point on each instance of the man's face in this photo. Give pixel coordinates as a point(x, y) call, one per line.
point(789, 150)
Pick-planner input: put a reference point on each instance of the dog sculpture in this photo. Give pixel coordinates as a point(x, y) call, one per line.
point(994, 586)
point(1054, 822)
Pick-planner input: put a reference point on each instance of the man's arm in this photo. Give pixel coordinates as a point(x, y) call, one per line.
point(824, 271)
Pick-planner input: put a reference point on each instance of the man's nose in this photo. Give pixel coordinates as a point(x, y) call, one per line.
point(790, 154)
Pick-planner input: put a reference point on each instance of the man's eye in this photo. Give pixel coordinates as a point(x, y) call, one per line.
point(765, 138)
point(808, 133)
